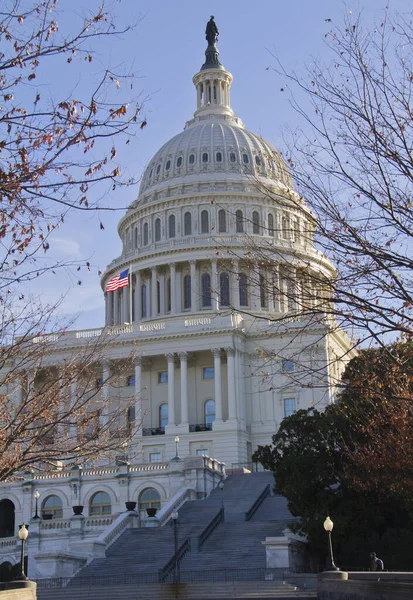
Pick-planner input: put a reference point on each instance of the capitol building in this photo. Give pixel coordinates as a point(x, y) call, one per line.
point(219, 297)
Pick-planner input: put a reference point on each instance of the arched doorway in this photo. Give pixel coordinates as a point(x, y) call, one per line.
point(6, 518)
point(6, 571)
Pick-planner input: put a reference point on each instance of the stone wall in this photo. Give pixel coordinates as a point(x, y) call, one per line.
point(367, 586)
point(18, 590)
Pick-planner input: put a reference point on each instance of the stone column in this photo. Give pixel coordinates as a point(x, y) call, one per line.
point(138, 296)
point(138, 396)
point(255, 289)
point(121, 307)
point(148, 297)
point(172, 271)
point(277, 290)
point(194, 295)
point(72, 401)
point(214, 286)
point(126, 316)
point(183, 356)
point(232, 408)
point(217, 382)
point(154, 293)
point(179, 302)
point(115, 307)
point(235, 284)
point(104, 418)
point(171, 389)
point(162, 293)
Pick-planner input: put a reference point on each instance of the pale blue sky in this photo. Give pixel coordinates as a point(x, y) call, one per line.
point(166, 50)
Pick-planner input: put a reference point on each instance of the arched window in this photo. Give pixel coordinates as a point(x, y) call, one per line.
point(143, 302)
point(158, 168)
point(258, 161)
point(219, 156)
point(168, 165)
point(243, 290)
point(157, 230)
point(146, 234)
point(209, 412)
point(158, 296)
point(187, 223)
point(149, 498)
point(100, 504)
point(7, 518)
point(168, 294)
point(205, 157)
point(232, 157)
point(52, 505)
point(163, 415)
point(239, 221)
point(245, 159)
point(222, 221)
point(206, 290)
point(224, 289)
point(187, 291)
point(135, 240)
point(179, 161)
point(271, 225)
point(171, 226)
point(255, 222)
point(204, 221)
point(191, 159)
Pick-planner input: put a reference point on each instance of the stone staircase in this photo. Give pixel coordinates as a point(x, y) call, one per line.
point(233, 552)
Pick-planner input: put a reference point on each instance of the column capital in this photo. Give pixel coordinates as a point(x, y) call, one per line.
point(192, 262)
point(170, 357)
point(172, 265)
point(138, 361)
point(230, 351)
point(216, 352)
point(183, 356)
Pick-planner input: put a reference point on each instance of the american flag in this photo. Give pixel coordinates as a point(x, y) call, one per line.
point(119, 281)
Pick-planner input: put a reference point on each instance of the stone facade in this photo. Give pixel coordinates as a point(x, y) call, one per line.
point(224, 343)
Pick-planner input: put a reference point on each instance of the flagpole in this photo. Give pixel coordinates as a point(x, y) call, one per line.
point(130, 298)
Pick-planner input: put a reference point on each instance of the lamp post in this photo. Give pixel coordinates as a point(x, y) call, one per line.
point(36, 497)
point(176, 448)
point(23, 534)
point(328, 526)
point(174, 516)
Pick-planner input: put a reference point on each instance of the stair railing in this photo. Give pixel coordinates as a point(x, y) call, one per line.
point(174, 561)
point(210, 528)
point(264, 494)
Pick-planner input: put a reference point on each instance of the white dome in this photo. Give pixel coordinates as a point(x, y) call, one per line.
point(218, 145)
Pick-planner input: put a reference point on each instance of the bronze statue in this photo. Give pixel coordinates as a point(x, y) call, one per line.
point(211, 32)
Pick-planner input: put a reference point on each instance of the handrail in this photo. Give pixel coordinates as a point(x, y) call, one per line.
point(175, 560)
point(173, 504)
point(264, 494)
point(210, 528)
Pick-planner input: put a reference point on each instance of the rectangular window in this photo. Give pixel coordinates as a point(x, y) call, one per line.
point(202, 451)
point(163, 377)
point(208, 373)
point(154, 457)
point(131, 380)
point(288, 366)
point(289, 406)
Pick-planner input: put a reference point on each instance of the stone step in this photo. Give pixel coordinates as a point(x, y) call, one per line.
point(193, 591)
